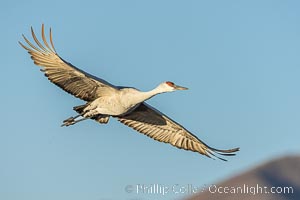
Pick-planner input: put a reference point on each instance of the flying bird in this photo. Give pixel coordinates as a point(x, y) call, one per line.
point(126, 104)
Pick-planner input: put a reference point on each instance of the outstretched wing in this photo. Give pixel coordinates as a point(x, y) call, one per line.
point(64, 74)
point(152, 123)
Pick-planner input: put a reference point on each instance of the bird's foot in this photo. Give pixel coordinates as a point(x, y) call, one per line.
point(71, 121)
point(68, 122)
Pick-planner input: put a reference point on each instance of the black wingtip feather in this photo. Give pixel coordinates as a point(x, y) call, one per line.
point(227, 152)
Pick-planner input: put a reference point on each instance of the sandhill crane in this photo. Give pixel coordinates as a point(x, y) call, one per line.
point(126, 104)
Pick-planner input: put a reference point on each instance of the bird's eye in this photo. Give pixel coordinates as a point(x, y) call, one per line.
point(169, 83)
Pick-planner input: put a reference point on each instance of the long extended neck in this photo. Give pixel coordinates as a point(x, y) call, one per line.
point(143, 96)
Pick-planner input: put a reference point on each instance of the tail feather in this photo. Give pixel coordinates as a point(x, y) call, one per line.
point(80, 108)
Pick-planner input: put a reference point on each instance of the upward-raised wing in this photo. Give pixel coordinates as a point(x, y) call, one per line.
point(64, 74)
point(152, 123)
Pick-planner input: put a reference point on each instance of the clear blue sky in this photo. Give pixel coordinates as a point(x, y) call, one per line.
point(240, 59)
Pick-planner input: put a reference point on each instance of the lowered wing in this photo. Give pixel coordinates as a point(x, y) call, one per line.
point(152, 123)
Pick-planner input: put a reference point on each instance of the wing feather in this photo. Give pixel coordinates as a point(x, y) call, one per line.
point(64, 74)
point(152, 123)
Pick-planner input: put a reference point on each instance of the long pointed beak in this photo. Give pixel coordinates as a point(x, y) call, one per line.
point(177, 87)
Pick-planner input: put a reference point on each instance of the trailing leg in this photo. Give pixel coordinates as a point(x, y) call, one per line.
point(72, 120)
point(85, 114)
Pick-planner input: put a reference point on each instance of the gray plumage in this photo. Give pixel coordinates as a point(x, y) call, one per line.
point(105, 100)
